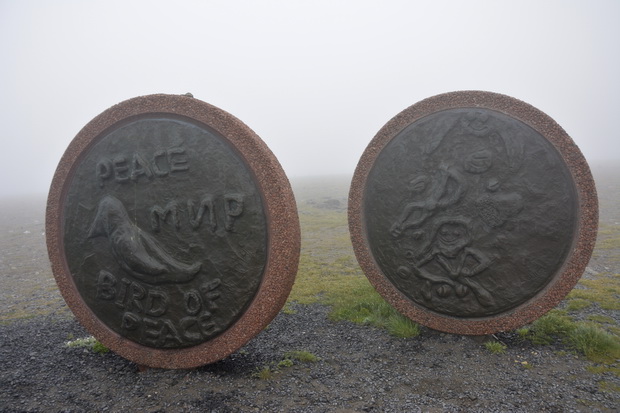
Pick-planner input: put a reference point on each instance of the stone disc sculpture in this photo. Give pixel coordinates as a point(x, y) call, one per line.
point(473, 212)
point(172, 231)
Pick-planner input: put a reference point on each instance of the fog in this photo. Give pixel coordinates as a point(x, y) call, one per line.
point(314, 79)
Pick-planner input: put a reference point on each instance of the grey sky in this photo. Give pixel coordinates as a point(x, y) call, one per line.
point(314, 79)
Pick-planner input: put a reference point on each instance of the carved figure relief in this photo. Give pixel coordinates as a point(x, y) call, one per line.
point(457, 203)
point(459, 263)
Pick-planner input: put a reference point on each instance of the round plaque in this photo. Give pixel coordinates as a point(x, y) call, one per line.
point(473, 212)
point(172, 231)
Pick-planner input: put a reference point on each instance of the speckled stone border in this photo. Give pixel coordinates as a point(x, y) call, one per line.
point(282, 227)
point(562, 282)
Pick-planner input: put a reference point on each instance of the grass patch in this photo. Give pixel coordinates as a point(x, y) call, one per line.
point(401, 326)
point(37, 307)
point(18, 315)
point(100, 348)
point(288, 309)
point(595, 343)
point(577, 304)
point(601, 319)
point(609, 387)
point(608, 238)
point(263, 373)
point(523, 332)
point(605, 291)
point(362, 304)
point(81, 342)
point(604, 368)
point(302, 356)
point(587, 338)
point(327, 265)
point(554, 324)
point(316, 279)
point(88, 342)
point(268, 371)
point(495, 347)
point(329, 274)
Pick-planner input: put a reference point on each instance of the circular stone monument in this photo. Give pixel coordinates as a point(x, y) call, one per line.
point(472, 213)
point(172, 231)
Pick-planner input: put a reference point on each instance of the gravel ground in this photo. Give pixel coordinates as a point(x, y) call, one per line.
point(359, 369)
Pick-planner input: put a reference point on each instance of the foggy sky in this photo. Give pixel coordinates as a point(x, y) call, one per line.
point(314, 79)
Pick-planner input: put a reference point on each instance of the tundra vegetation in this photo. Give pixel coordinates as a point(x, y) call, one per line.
point(329, 274)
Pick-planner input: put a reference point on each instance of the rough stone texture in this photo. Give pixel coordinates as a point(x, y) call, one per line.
point(283, 233)
point(562, 281)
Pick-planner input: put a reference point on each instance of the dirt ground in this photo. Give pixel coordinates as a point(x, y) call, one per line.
point(360, 368)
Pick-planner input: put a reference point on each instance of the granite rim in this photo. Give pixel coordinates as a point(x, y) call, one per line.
point(283, 230)
point(564, 279)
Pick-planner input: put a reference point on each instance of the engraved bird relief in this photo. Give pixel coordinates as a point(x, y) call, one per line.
point(137, 252)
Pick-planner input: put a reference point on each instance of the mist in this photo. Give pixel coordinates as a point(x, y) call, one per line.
point(315, 80)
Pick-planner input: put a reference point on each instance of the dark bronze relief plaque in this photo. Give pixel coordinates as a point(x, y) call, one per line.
point(465, 216)
point(469, 212)
point(172, 231)
point(165, 232)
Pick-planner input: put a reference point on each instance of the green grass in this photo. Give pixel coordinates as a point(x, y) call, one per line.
point(400, 326)
point(577, 304)
point(553, 325)
point(37, 307)
point(81, 342)
point(601, 319)
point(609, 387)
point(263, 373)
point(329, 273)
point(301, 356)
point(495, 347)
point(318, 280)
point(88, 342)
point(269, 371)
point(608, 242)
point(587, 338)
point(360, 303)
point(595, 343)
point(605, 291)
point(100, 348)
point(608, 237)
point(604, 368)
point(523, 332)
